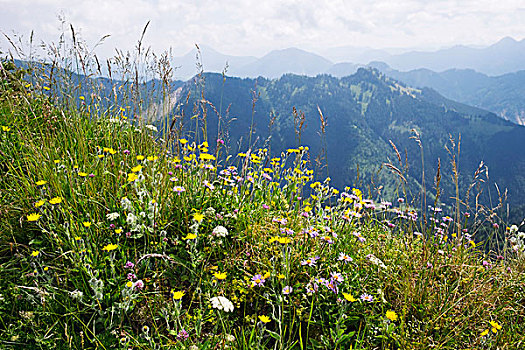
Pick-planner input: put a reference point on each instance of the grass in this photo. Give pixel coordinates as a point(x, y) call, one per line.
point(113, 238)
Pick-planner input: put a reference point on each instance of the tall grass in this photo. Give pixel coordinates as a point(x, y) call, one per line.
point(112, 237)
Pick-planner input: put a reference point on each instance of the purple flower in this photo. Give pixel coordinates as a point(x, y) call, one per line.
point(311, 288)
point(129, 265)
point(131, 276)
point(183, 335)
point(265, 206)
point(309, 261)
point(332, 286)
point(337, 277)
point(126, 151)
point(366, 297)
point(287, 290)
point(258, 280)
point(138, 285)
point(345, 258)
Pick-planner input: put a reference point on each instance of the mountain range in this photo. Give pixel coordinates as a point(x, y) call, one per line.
point(364, 114)
point(505, 56)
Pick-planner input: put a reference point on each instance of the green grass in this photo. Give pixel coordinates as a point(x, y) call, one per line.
point(131, 254)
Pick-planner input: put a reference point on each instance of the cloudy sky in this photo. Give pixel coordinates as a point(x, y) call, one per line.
point(247, 27)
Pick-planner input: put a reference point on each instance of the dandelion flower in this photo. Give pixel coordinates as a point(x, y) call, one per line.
point(5, 128)
point(349, 297)
point(41, 183)
point(264, 319)
point(56, 200)
point(220, 275)
point(198, 217)
point(129, 284)
point(190, 236)
point(86, 223)
point(391, 315)
point(484, 333)
point(82, 174)
point(139, 157)
point(110, 247)
point(137, 168)
point(33, 217)
point(35, 253)
point(177, 295)
point(132, 177)
point(281, 276)
point(40, 203)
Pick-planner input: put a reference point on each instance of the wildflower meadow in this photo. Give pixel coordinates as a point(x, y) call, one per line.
point(114, 235)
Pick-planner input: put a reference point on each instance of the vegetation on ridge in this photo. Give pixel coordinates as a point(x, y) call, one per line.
point(111, 238)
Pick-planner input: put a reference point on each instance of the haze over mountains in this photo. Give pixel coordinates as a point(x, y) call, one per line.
point(461, 73)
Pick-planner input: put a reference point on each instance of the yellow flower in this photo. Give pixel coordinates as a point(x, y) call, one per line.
point(46, 268)
point(391, 315)
point(495, 326)
point(273, 239)
point(118, 231)
point(86, 223)
point(183, 141)
point(132, 177)
point(349, 297)
point(177, 295)
point(82, 174)
point(198, 217)
point(41, 183)
point(33, 217)
point(110, 247)
point(220, 275)
point(57, 161)
point(190, 236)
point(139, 157)
point(284, 240)
point(100, 156)
point(5, 128)
point(281, 276)
point(56, 200)
point(206, 156)
point(129, 284)
point(484, 333)
point(152, 158)
point(264, 319)
point(35, 253)
point(136, 169)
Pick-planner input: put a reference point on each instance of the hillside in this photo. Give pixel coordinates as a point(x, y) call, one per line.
point(363, 113)
point(503, 94)
point(114, 237)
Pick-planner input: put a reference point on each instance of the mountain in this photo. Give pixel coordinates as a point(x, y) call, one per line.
point(503, 95)
point(211, 60)
point(363, 112)
point(279, 62)
point(503, 57)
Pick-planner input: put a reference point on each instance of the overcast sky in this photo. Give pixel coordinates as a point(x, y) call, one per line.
point(246, 27)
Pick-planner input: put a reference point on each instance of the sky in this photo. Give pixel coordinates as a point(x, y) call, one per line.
point(247, 27)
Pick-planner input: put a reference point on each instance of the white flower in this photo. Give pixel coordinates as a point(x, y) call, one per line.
point(229, 338)
point(221, 303)
point(125, 203)
point(152, 128)
point(112, 216)
point(220, 231)
point(376, 261)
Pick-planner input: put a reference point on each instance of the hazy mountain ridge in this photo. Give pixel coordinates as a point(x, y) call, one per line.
point(503, 95)
point(364, 112)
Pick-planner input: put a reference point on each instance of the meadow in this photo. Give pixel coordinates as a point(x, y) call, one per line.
point(114, 235)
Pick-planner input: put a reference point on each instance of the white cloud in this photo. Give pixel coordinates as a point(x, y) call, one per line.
point(248, 27)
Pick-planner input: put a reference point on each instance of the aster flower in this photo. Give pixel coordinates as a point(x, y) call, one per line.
point(345, 258)
point(258, 280)
point(287, 290)
point(366, 297)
